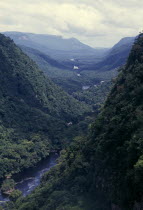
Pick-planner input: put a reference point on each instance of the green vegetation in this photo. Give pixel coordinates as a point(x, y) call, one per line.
point(34, 112)
point(95, 95)
point(105, 168)
point(8, 186)
point(15, 195)
point(58, 47)
point(65, 78)
point(73, 83)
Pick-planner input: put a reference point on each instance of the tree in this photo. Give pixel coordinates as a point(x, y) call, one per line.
point(15, 195)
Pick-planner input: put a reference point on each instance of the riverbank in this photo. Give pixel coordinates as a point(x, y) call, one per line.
point(30, 178)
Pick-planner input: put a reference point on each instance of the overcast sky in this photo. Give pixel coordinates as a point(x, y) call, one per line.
point(99, 23)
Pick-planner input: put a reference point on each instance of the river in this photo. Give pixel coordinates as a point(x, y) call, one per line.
point(30, 178)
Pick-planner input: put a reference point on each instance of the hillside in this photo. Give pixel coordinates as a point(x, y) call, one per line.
point(72, 52)
point(105, 170)
point(55, 70)
point(95, 65)
point(57, 47)
point(52, 41)
point(36, 53)
point(69, 80)
point(116, 56)
point(34, 112)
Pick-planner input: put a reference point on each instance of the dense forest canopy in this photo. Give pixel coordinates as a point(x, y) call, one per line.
point(104, 170)
point(34, 112)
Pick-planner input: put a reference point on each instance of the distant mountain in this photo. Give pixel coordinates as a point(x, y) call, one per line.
point(72, 52)
point(34, 112)
point(53, 42)
point(115, 57)
point(57, 47)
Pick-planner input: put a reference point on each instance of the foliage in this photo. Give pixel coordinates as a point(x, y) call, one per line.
point(106, 167)
point(67, 78)
point(15, 195)
point(34, 112)
point(7, 185)
point(95, 95)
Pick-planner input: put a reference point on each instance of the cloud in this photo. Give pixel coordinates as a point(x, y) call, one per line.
point(97, 23)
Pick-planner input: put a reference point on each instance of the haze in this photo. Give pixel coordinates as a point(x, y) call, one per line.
point(97, 23)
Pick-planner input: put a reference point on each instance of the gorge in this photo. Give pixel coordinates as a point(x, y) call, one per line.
point(98, 132)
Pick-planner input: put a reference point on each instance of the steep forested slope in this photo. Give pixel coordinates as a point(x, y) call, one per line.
point(116, 56)
point(33, 110)
point(105, 170)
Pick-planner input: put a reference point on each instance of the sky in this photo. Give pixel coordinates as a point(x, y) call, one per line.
point(98, 23)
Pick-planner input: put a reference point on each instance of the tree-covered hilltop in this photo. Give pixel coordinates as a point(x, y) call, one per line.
point(105, 170)
point(34, 112)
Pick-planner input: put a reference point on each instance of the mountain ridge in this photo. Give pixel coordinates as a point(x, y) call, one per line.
point(38, 37)
point(116, 56)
